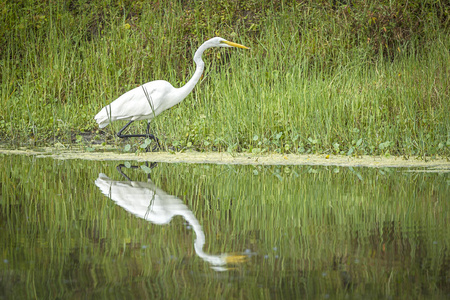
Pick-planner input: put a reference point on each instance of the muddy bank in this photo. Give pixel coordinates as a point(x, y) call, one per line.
point(431, 164)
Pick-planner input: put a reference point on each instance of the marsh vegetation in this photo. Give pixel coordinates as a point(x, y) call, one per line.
point(337, 77)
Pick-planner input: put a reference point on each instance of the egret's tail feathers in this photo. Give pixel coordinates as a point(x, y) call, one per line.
point(103, 118)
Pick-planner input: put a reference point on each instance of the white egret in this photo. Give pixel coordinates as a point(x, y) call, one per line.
point(145, 200)
point(152, 98)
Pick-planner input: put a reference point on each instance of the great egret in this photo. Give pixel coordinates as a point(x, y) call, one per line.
point(152, 98)
point(145, 200)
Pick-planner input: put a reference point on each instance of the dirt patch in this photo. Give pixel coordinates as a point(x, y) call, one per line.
point(430, 164)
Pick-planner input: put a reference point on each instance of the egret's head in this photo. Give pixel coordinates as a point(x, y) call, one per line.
point(220, 42)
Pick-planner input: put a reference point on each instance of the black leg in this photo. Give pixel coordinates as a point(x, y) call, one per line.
point(119, 134)
point(153, 137)
point(146, 135)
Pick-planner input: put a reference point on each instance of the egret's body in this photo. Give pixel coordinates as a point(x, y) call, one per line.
point(152, 98)
point(133, 105)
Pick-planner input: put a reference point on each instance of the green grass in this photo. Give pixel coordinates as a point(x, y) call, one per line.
point(319, 78)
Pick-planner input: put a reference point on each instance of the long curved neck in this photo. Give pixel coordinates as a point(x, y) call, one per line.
point(200, 65)
point(200, 239)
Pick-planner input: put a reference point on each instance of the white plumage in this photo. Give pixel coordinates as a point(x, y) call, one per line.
point(133, 105)
point(145, 200)
point(152, 98)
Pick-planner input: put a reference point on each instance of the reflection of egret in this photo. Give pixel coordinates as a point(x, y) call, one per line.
point(152, 98)
point(145, 200)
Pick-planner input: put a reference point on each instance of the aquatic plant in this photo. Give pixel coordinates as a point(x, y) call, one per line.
point(346, 77)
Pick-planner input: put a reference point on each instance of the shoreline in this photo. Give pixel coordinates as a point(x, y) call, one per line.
point(438, 164)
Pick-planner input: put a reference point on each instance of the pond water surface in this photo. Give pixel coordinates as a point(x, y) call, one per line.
point(125, 230)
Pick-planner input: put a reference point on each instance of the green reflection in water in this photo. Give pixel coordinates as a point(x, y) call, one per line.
point(305, 231)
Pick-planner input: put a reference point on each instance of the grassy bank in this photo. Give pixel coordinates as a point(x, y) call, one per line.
point(324, 77)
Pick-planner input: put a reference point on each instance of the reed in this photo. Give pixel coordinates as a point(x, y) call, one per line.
point(319, 78)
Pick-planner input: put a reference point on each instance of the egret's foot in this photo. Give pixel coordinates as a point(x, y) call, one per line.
point(156, 146)
point(147, 135)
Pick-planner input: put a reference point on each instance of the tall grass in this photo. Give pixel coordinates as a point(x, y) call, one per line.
point(319, 78)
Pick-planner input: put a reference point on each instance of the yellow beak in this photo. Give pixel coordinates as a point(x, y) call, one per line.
point(235, 45)
point(236, 259)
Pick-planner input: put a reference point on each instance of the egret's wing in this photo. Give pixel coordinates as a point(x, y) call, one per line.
point(143, 102)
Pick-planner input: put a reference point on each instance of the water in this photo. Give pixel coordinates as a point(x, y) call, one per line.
point(82, 229)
